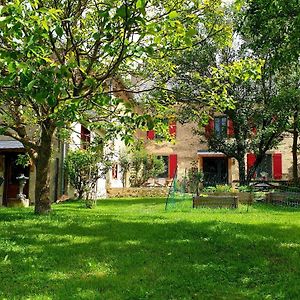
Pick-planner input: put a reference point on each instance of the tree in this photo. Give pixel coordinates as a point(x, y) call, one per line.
point(273, 29)
point(258, 120)
point(157, 79)
point(59, 60)
point(290, 95)
point(124, 162)
point(202, 79)
point(250, 94)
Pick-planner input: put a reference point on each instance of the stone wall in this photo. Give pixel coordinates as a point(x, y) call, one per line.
point(137, 192)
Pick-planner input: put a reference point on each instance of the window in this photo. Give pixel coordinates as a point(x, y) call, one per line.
point(264, 170)
point(165, 173)
point(170, 163)
point(220, 126)
point(151, 134)
point(270, 167)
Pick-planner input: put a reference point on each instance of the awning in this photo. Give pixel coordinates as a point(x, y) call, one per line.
point(210, 153)
point(11, 145)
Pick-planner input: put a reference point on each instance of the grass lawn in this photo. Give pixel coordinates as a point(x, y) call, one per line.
point(133, 249)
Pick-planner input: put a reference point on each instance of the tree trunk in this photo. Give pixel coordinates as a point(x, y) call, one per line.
point(251, 172)
point(42, 163)
point(295, 149)
point(242, 171)
point(80, 194)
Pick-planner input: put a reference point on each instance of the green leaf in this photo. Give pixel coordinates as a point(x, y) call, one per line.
point(173, 14)
point(41, 96)
point(11, 67)
point(121, 12)
point(150, 50)
point(59, 31)
point(96, 36)
point(44, 24)
point(31, 84)
point(104, 14)
point(51, 101)
point(191, 32)
point(140, 4)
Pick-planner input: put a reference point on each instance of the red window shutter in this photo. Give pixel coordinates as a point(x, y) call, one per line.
point(172, 129)
point(172, 165)
point(85, 137)
point(230, 129)
point(251, 158)
point(150, 134)
point(209, 128)
point(277, 165)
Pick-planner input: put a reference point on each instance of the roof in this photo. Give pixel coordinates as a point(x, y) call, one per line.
point(9, 145)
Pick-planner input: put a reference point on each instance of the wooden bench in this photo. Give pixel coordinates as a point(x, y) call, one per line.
point(284, 198)
point(213, 201)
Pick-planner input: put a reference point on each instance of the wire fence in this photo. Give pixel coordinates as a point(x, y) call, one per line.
point(180, 196)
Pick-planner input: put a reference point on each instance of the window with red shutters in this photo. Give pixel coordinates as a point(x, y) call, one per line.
point(277, 166)
point(151, 134)
point(271, 166)
point(220, 126)
point(172, 165)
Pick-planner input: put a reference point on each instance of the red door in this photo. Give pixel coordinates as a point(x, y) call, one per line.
point(11, 183)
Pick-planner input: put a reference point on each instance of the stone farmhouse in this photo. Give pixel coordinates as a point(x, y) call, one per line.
point(216, 167)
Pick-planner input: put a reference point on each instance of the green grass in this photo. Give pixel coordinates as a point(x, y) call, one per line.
point(133, 249)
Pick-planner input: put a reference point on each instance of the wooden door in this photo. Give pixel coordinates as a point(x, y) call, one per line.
point(11, 183)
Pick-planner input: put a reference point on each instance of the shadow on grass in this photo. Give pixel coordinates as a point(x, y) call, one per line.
point(131, 201)
point(275, 207)
point(103, 257)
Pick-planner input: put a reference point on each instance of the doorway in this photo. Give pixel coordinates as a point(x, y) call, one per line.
point(11, 183)
point(215, 170)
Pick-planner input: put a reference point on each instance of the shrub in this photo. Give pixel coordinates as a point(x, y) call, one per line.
point(219, 188)
point(84, 168)
point(245, 188)
point(195, 178)
point(144, 167)
point(124, 161)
